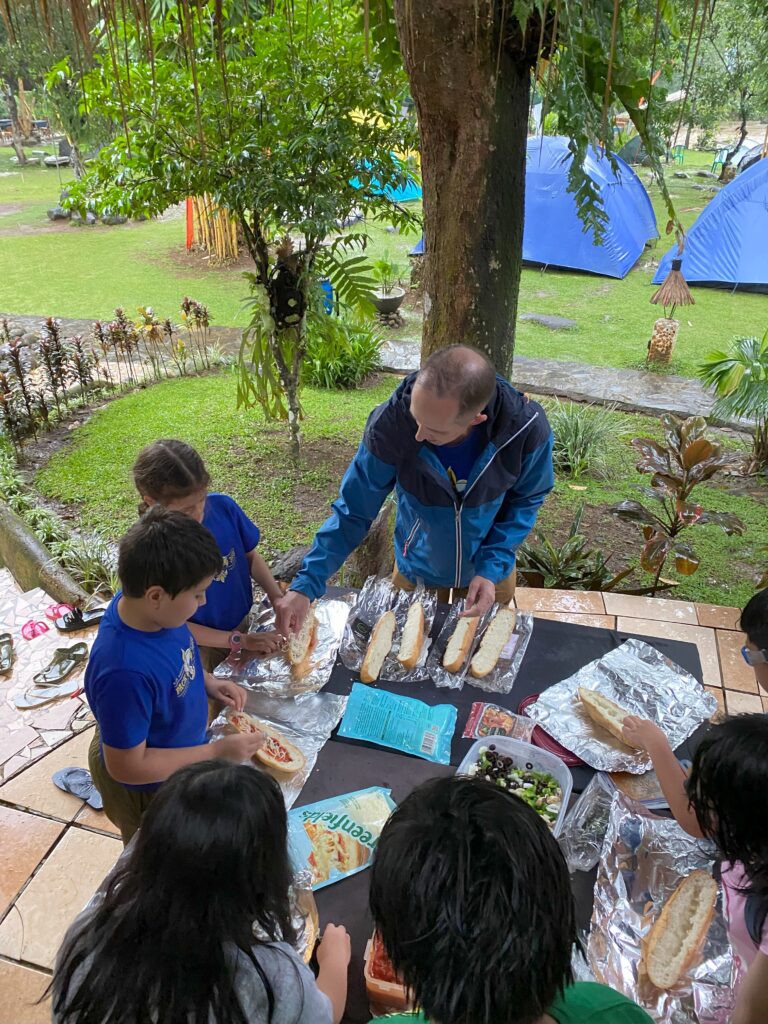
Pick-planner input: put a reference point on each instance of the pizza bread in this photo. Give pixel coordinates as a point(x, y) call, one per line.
point(379, 647)
point(495, 639)
point(458, 646)
point(679, 930)
point(300, 643)
point(604, 712)
point(413, 636)
point(277, 752)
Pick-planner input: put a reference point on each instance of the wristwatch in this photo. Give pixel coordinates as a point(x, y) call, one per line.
point(235, 641)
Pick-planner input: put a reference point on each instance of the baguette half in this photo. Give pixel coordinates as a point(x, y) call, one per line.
point(277, 752)
point(679, 930)
point(300, 643)
point(495, 639)
point(458, 646)
point(604, 712)
point(413, 636)
point(379, 647)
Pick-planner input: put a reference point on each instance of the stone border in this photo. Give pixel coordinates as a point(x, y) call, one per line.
point(31, 564)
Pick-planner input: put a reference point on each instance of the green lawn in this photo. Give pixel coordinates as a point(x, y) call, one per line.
point(248, 459)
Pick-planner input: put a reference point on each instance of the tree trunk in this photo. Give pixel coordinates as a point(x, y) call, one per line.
point(744, 114)
point(76, 161)
point(17, 131)
point(472, 98)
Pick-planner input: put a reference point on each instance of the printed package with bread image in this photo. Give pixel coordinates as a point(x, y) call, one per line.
point(335, 838)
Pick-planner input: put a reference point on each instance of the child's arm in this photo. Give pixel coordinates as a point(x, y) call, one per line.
point(263, 642)
point(262, 575)
point(752, 998)
point(333, 956)
point(639, 732)
point(142, 765)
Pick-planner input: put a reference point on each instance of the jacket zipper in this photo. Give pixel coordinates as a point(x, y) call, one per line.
point(410, 537)
point(458, 505)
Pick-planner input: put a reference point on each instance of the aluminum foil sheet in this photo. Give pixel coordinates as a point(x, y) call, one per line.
point(306, 722)
point(276, 675)
point(640, 679)
point(643, 860)
point(376, 597)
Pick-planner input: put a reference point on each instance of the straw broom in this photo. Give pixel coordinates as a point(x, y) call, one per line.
point(673, 292)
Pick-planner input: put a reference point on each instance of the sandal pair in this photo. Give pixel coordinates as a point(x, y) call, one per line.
point(49, 683)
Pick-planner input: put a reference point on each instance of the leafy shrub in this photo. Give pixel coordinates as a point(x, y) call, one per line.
point(582, 433)
point(91, 561)
point(341, 352)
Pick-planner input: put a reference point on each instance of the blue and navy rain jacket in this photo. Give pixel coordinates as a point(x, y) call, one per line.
point(441, 538)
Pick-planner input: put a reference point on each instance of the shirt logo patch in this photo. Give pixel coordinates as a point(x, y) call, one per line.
point(188, 671)
point(229, 563)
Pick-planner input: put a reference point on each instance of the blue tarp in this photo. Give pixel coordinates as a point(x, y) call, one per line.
point(554, 235)
point(728, 243)
point(406, 193)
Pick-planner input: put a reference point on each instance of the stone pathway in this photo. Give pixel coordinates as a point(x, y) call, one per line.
point(630, 390)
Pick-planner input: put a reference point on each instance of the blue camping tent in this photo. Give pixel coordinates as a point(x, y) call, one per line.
point(728, 243)
point(406, 193)
point(554, 235)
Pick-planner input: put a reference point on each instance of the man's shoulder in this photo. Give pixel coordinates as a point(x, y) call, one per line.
point(514, 413)
point(390, 429)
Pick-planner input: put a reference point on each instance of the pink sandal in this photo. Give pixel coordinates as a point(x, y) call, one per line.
point(57, 611)
point(32, 629)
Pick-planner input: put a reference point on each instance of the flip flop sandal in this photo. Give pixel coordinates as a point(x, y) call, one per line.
point(63, 663)
point(79, 783)
point(39, 696)
point(32, 629)
point(76, 619)
point(55, 611)
point(6, 653)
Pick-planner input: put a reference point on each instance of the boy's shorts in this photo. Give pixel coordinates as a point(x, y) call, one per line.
point(123, 806)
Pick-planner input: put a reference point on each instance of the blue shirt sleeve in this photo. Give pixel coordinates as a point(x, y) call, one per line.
point(248, 530)
point(123, 708)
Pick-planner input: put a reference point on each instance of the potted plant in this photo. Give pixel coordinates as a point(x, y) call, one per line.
point(389, 296)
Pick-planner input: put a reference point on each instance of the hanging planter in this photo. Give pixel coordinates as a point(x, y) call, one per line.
point(672, 293)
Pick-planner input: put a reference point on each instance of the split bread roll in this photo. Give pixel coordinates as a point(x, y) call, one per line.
point(458, 646)
point(679, 930)
point(379, 647)
point(277, 752)
point(301, 642)
point(495, 639)
point(413, 636)
point(605, 712)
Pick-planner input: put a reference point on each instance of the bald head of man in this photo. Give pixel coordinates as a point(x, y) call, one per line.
point(450, 394)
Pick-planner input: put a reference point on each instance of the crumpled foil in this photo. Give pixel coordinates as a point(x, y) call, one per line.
point(377, 596)
point(276, 675)
point(640, 679)
point(306, 722)
point(643, 860)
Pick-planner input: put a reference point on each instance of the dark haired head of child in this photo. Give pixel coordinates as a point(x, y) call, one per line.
point(754, 622)
point(209, 862)
point(167, 561)
point(471, 896)
point(728, 791)
point(172, 474)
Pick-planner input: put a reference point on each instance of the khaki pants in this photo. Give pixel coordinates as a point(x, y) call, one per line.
point(505, 590)
point(123, 806)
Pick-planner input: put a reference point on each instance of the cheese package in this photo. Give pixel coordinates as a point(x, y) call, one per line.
point(335, 838)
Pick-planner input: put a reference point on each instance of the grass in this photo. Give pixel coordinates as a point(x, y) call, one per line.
point(248, 459)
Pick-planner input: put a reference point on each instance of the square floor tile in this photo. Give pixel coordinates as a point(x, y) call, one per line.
point(21, 987)
point(36, 923)
point(599, 621)
point(656, 608)
point(737, 674)
point(96, 819)
point(703, 638)
point(743, 703)
point(533, 599)
point(26, 840)
point(33, 787)
point(718, 616)
point(12, 741)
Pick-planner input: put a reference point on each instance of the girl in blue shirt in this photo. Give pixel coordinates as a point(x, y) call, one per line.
point(171, 473)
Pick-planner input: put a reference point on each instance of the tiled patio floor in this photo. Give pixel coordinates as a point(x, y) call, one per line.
point(55, 850)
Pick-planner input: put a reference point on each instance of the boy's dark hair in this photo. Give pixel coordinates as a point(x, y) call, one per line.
point(728, 790)
point(166, 549)
point(463, 373)
point(471, 896)
point(754, 620)
point(209, 866)
point(168, 470)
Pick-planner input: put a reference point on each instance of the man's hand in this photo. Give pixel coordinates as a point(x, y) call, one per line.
point(226, 691)
point(240, 747)
point(290, 612)
point(481, 594)
point(642, 733)
point(262, 643)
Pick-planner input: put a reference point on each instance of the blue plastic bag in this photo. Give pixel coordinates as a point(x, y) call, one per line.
point(402, 723)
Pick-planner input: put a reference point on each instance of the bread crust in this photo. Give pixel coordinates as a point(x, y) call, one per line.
point(299, 645)
point(243, 722)
point(466, 629)
point(379, 646)
point(665, 921)
point(415, 615)
point(600, 716)
point(493, 643)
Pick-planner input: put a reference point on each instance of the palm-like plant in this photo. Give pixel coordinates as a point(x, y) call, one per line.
point(740, 381)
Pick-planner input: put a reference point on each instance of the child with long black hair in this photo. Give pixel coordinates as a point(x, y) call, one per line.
point(171, 473)
point(174, 940)
point(725, 799)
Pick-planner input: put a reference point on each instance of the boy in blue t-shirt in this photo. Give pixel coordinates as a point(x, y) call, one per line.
point(144, 680)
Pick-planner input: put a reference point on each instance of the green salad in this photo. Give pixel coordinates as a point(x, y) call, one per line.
point(539, 790)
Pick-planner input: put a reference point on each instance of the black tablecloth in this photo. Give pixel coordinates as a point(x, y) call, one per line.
point(556, 650)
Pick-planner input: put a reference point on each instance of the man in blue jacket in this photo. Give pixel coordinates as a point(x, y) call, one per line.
point(470, 459)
